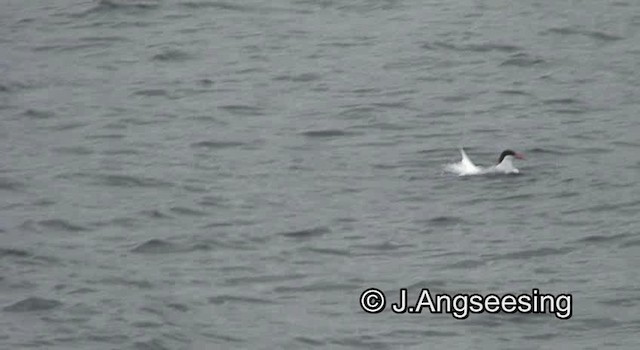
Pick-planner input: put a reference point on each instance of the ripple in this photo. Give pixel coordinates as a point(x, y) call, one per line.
point(10, 185)
point(420, 333)
point(67, 126)
point(187, 211)
point(539, 150)
point(155, 214)
point(263, 279)
point(574, 111)
point(517, 197)
point(82, 291)
point(61, 47)
point(308, 233)
point(228, 223)
point(236, 299)
point(207, 119)
point(626, 144)
point(38, 114)
point(598, 35)
point(484, 47)
point(357, 112)
point(561, 101)
point(242, 110)
point(74, 150)
point(212, 201)
point(382, 126)
point(152, 344)
point(123, 281)
point(59, 224)
point(598, 239)
point(604, 207)
point(130, 181)
point(152, 93)
point(465, 264)
point(15, 86)
point(309, 341)
point(514, 92)
point(301, 78)
point(382, 247)
point(342, 44)
point(620, 3)
point(120, 4)
point(217, 5)
point(457, 98)
point(329, 251)
point(522, 60)
point(171, 55)
point(33, 304)
point(317, 287)
point(566, 194)
point(11, 252)
point(121, 152)
point(327, 133)
point(105, 136)
point(599, 323)
point(542, 336)
point(622, 302)
point(222, 337)
point(105, 38)
point(156, 246)
point(216, 144)
point(159, 246)
point(446, 220)
point(362, 342)
point(125, 222)
point(631, 243)
point(533, 253)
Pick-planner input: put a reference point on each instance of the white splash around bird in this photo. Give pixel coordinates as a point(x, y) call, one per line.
point(504, 166)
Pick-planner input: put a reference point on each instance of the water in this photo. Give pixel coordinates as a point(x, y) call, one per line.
point(233, 175)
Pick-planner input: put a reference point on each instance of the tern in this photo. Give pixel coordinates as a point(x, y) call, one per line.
point(504, 166)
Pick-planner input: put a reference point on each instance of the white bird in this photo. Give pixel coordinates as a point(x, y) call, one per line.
point(504, 166)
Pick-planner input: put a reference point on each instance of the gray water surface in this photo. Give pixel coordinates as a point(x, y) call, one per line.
point(233, 175)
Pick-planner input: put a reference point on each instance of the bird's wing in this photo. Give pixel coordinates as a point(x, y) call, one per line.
point(466, 162)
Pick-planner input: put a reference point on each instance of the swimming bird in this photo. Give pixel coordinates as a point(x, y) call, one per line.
point(504, 165)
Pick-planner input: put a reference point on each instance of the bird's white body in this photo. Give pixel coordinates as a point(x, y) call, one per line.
point(466, 167)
